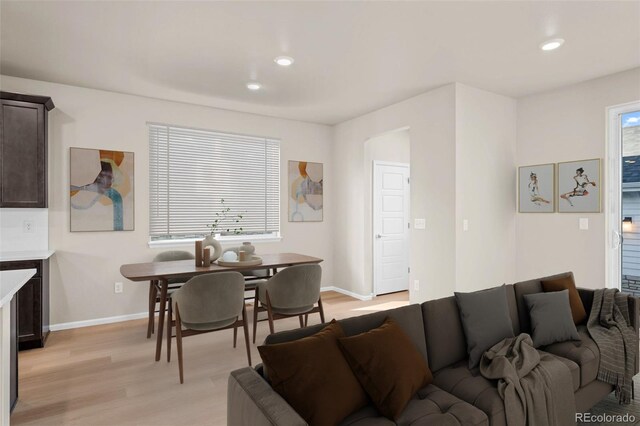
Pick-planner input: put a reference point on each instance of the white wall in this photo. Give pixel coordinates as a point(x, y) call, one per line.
point(564, 125)
point(86, 265)
point(485, 197)
point(462, 143)
point(13, 236)
point(394, 146)
point(431, 121)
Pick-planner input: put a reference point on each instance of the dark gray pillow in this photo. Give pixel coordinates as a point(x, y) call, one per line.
point(551, 319)
point(485, 320)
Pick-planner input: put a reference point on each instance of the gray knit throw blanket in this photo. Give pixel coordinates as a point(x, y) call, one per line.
point(617, 341)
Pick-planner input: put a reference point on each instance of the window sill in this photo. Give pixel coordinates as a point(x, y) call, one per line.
point(189, 242)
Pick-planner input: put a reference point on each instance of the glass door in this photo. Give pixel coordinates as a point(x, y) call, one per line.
point(630, 202)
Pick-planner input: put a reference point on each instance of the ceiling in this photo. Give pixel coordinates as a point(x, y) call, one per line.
point(350, 57)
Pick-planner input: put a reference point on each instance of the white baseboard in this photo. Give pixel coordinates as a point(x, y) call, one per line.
point(348, 293)
point(139, 315)
point(97, 321)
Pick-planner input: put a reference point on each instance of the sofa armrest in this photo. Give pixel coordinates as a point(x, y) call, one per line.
point(634, 306)
point(252, 402)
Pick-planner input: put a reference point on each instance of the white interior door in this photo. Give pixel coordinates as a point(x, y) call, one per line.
point(390, 227)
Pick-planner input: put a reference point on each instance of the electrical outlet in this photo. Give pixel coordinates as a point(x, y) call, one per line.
point(27, 227)
point(118, 288)
point(416, 285)
point(465, 225)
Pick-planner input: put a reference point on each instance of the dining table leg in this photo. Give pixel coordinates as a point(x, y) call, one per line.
point(164, 285)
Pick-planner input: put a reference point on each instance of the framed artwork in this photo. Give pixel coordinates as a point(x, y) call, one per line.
point(101, 190)
point(535, 188)
point(579, 184)
point(305, 191)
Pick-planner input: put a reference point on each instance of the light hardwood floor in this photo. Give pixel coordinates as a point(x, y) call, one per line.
point(106, 375)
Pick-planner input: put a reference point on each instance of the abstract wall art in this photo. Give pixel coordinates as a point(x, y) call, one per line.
point(101, 192)
point(579, 185)
point(305, 191)
point(535, 188)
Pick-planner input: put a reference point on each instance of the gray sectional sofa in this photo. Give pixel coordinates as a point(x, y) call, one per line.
point(457, 396)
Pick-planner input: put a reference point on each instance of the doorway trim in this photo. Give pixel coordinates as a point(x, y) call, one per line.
point(374, 206)
point(613, 195)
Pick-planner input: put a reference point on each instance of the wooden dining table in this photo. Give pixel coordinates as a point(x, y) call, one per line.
point(163, 271)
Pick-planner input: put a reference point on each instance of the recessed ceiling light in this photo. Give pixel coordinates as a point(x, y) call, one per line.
point(284, 61)
point(552, 44)
point(253, 85)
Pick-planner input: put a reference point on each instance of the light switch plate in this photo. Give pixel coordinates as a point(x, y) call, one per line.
point(420, 224)
point(465, 225)
point(584, 224)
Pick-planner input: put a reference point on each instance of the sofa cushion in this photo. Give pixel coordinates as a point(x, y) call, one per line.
point(367, 416)
point(470, 387)
point(431, 406)
point(446, 344)
point(521, 289)
point(409, 318)
point(443, 331)
point(513, 308)
point(578, 313)
point(312, 375)
point(530, 287)
point(584, 352)
point(551, 319)
point(573, 368)
point(387, 365)
point(485, 320)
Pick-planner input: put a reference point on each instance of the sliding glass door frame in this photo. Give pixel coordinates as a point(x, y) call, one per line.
point(613, 194)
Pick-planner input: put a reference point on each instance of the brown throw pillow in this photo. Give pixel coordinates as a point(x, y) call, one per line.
point(312, 375)
point(388, 365)
point(567, 283)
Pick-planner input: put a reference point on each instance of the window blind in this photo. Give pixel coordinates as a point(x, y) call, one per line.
point(192, 171)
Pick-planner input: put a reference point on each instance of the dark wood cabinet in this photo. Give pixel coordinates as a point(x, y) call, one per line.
point(23, 150)
point(32, 304)
point(13, 354)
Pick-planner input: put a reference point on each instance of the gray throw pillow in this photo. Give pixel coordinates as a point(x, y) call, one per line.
point(485, 319)
point(551, 319)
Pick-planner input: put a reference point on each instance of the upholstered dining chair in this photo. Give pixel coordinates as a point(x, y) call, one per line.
point(174, 284)
point(292, 292)
point(207, 303)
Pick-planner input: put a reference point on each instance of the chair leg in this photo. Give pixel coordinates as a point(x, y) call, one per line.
point(321, 309)
point(306, 319)
point(179, 343)
point(169, 331)
point(153, 295)
point(235, 333)
point(245, 328)
point(255, 316)
point(301, 321)
point(270, 314)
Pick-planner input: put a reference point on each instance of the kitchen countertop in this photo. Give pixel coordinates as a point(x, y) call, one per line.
point(9, 256)
point(11, 282)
